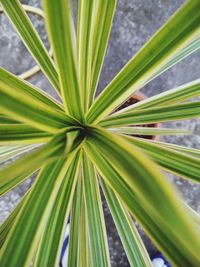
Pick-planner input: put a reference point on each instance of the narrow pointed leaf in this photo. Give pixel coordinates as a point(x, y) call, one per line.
point(128, 197)
point(85, 247)
point(8, 79)
point(8, 223)
point(131, 240)
point(61, 33)
point(79, 252)
point(8, 152)
point(172, 96)
point(18, 171)
point(185, 150)
point(79, 247)
point(29, 9)
point(170, 160)
point(75, 226)
point(102, 27)
point(24, 236)
point(49, 251)
point(185, 52)
point(193, 214)
point(95, 217)
point(4, 119)
point(152, 115)
point(21, 106)
point(34, 70)
point(86, 15)
point(153, 192)
point(156, 53)
point(5, 150)
point(149, 131)
point(22, 134)
point(31, 39)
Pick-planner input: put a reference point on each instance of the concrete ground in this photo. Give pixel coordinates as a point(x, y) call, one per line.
point(134, 23)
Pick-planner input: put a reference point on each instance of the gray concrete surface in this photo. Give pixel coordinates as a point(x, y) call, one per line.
point(134, 23)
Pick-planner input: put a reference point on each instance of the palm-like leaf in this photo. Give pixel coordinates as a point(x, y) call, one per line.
point(71, 151)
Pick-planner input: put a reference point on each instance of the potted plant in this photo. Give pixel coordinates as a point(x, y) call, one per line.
point(82, 144)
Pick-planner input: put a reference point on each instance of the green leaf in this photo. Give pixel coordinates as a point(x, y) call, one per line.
point(31, 39)
point(95, 217)
point(128, 197)
point(29, 9)
point(8, 223)
point(86, 16)
point(49, 251)
point(185, 52)
point(7, 152)
point(152, 115)
point(20, 105)
point(194, 215)
point(8, 79)
point(34, 70)
point(102, 26)
point(4, 119)
point(131, 240)
point(149, 131)
point(186, 150)
point(160, 211)
point(85, 247)
point(172, 96)
point(18, 171)
point(170, 160)
point(21, 134)
point(23, 239)
point(176, 34)
point(75, 237)
point(79, 246)
point(61, 33)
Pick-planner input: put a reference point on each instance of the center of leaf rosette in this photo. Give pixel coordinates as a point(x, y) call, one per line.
point(73, 140)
